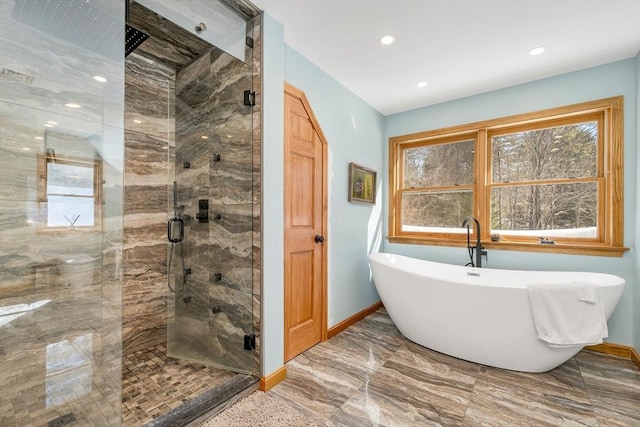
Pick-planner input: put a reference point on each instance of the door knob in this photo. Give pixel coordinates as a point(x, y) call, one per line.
point(319, 239)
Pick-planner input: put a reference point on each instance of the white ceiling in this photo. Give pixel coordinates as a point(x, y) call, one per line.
point(460, 47)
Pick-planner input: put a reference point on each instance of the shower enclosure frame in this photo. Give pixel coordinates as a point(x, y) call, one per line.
point(205, 116)
point(61, 355)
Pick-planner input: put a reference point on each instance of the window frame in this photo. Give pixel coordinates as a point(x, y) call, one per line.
point(438, 140)
point(609, 175)
point(96, 165)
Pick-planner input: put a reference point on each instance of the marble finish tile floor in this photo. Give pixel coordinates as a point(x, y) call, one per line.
point(369, 375)
point(154, 384)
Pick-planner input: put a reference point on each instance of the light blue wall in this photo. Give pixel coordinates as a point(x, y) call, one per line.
point(354, 132)
point(609, 80)
point(357, 133)
point(272, 339)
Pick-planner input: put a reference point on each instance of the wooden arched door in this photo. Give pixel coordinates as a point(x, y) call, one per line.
point(305, 226)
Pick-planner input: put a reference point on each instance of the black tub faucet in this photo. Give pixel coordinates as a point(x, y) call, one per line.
point(478, 249)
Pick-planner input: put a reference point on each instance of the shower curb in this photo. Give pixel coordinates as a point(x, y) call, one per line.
point(209, 403)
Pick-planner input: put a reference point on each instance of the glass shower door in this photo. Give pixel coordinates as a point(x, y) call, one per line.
point(210, 318)
point(61, 174)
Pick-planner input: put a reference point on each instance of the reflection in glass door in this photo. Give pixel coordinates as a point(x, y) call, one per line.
point(61, 162)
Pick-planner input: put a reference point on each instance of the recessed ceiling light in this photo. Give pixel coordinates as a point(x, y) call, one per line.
point(537, 51)
point(51, 122)
point(386, 39)
point(72, 105)
point(421, 84)
point(99, 79)
point(48, 125)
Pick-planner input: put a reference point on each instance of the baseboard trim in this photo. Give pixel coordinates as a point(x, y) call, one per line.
point(635, 356)
point(619, 350)
point(612, 349)
point(270, 381)
point(332, 332)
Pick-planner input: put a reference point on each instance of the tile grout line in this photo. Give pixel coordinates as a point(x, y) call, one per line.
point(587, 390)
point(471, 394)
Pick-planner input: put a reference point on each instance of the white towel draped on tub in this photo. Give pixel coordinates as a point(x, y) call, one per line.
point(568, 314)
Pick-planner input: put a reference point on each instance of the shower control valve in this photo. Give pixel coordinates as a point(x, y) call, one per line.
point(203, 210)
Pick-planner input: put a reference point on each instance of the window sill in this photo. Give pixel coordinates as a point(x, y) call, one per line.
point(65, 230)
point(558, 248)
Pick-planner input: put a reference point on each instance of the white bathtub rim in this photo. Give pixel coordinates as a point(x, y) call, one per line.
point(607, 278)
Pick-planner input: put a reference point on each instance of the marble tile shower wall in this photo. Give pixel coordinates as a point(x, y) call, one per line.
point(219, 293)
point(149, 143)
point(170, 106)
point(60, 302)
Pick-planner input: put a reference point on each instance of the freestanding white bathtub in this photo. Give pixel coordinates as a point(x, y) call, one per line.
point(477, 314)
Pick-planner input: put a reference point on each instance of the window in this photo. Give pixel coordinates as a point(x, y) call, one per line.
point(70, 189)
point(555, 174)
point(438, 182)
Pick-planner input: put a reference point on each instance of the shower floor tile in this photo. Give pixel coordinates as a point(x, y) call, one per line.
point(154, 384)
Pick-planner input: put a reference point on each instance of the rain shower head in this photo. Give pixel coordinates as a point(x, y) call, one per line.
point(75, 21)
point(81, 23)
point(132, 39)
point(132, 36)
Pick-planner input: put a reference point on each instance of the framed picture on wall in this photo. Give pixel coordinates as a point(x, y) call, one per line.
point(362, 184)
